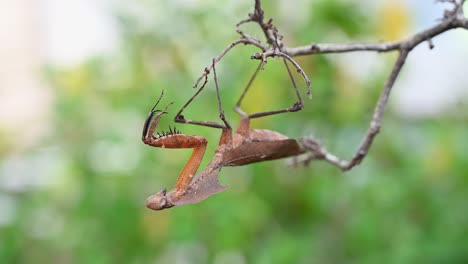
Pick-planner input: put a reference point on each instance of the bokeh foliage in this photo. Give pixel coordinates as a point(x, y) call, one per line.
point(405, 204)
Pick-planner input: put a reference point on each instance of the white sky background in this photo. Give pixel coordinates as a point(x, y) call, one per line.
point(433, 80)
point(75, 30)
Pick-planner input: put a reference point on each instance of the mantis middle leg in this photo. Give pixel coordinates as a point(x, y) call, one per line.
point(179, 118)
point(298, 105)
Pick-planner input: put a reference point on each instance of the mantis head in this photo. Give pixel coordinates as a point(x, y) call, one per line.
point(159, 201)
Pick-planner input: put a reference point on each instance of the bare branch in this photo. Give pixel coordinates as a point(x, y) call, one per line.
point(452, 18)
point(258, 17)
point(457, 8)
point(378, 112)
point(408, 43)
point(318, 152)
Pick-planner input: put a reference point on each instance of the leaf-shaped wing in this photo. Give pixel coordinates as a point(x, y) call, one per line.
point(204, 185)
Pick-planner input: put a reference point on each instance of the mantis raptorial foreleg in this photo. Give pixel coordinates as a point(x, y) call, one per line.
point(174, 139)
point(208, 180)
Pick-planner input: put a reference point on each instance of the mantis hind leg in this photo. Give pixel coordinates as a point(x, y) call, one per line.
point(298, 105)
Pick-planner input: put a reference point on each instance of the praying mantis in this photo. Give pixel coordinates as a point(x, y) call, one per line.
point(244, 147)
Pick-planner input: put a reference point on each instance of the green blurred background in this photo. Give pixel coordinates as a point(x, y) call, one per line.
point(87, 179)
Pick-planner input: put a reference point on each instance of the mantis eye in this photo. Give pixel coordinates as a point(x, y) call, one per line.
point(158, 201)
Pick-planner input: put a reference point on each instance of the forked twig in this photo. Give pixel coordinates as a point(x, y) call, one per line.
point(452, 18)
point(318, 152)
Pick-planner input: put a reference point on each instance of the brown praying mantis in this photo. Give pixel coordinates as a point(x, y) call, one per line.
point(243, 147)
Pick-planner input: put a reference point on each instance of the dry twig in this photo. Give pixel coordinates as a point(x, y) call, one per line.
point(452, 18)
